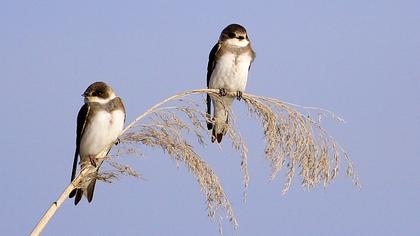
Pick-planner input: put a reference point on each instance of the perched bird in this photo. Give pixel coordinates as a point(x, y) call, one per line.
point(99, 123)
point(229, 62)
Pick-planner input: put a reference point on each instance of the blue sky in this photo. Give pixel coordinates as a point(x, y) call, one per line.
point(358, 58)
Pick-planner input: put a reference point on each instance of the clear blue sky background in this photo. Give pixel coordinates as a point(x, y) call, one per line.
point(358, 58)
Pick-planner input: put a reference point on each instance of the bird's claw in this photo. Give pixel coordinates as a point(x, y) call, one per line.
point(117, 141)
point(222, 92)
point(213, 138)
point(239, 95)
point(92, 160)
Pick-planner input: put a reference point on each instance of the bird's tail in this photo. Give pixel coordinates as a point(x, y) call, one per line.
point(87, 187)
point(221, 119)
point(219, 130)
point(88, 192)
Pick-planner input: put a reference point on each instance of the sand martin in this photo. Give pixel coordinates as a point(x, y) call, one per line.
point(229, 62)
point(99, 123)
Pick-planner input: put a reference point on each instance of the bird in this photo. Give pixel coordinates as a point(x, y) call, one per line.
point(229, 62)
point(100, 122)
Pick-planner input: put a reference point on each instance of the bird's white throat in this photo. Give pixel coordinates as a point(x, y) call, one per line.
point(237, 43)
point(100, 100)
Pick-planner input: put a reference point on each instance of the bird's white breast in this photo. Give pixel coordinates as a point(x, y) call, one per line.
point(231, 72)
point(104, 128)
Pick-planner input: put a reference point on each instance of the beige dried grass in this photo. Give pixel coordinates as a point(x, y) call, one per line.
point(299, 141)
point(292, 140)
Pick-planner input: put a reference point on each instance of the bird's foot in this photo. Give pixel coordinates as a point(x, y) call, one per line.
point(117, 141)
point(222, 92)
point(239, 95)
point(213, 138)
point(92, 160)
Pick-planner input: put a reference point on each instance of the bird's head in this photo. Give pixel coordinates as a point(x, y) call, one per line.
point(234, 35)
point(99, 92)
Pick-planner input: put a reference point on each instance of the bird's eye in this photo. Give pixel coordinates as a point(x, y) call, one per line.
point(96, 93)
point(231, 35)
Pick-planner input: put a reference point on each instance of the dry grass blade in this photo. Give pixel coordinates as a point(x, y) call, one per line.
point(182, 152)
point(298, 141)
point(169, 128)
point(239, 145)
point(292, 140)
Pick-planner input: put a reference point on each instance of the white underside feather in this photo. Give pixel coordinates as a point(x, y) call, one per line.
point(104, 128)
point(230, 73)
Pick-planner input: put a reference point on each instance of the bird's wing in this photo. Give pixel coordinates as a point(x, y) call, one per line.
point(253, 55)
point(210, 67)
point(81, 125)
point(122, 105)
point(212, 61)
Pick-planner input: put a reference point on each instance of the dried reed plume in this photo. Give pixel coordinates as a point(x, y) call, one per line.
point(298, 141)
point(292, 140)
